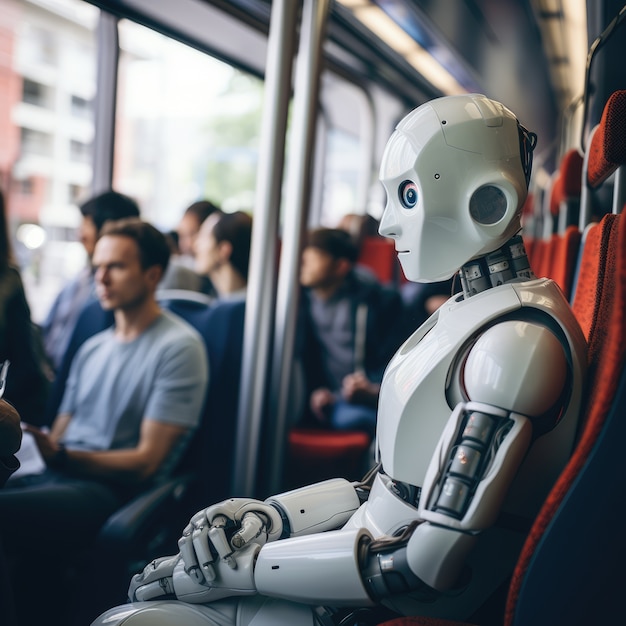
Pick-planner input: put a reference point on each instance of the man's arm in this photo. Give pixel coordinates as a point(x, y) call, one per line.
point(137, 464)
point(59, 426)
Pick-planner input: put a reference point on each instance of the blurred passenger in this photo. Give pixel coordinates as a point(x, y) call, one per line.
point(20, 344)
point(376, 257)
point(359, 226)
point(421, 300)
point(179, 275)
point(352, 327)
point(59, 324)
point(10, 439)
point(132, 401)
point(189, 226)
point(222, 250)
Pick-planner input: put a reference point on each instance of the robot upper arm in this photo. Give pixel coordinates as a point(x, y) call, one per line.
point(517, 365)
point(513, 374)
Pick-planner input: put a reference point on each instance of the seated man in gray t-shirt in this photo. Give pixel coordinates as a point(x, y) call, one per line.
point(134, 397)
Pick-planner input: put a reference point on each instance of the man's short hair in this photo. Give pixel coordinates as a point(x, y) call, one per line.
point(202, 209)
point(109, 205)
point(336, 242)
point(236, 228)
point(152, 243)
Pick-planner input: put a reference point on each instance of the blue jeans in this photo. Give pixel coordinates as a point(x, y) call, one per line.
point(347, 416)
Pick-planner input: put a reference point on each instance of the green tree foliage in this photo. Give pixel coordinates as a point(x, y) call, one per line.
point(233, 139)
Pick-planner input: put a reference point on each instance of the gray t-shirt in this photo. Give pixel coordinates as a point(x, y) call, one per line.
point(335, 330)
point(161, 375)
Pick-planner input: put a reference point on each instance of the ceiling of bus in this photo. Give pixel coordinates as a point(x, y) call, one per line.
point(496, 47)
point(492, 47)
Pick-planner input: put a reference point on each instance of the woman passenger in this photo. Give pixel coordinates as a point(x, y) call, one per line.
point(222, 252)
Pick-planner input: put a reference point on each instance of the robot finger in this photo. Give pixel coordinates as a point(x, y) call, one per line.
point(187, 552)
point(151, 591)
point(220, 542)
point(155, 579)
point(200, 540)
point(251, 527)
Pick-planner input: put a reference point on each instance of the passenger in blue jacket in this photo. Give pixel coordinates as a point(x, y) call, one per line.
point(352, 325)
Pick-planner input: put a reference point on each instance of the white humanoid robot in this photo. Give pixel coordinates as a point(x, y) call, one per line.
point(477, 416)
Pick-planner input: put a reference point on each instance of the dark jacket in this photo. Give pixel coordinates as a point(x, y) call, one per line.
point(385, 329)
point(27, 383)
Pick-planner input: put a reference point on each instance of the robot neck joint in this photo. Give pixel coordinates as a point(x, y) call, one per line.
point(506, 264)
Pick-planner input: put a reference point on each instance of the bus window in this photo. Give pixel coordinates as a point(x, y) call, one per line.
point(47, 81)
point(187, 127)
point(348, 159)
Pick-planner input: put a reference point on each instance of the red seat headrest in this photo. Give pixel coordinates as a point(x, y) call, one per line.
point(607, 150)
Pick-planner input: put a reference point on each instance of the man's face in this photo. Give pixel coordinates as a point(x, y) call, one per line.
point(88, 234)
point(318, 268)
point(121, 282)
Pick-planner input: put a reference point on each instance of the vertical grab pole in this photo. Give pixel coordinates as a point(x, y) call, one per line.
point(106, 101)
point(306, 92)
point(261, 279)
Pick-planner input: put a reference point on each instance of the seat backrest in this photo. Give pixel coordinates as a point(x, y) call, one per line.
point(593, 265)
point(564, 569)
point(606, 156)
point(212, 451)
point(567, 196)
point(567, 570)
point(607, 150)
point(92, 319)
point(564, 260)
point(379, 255)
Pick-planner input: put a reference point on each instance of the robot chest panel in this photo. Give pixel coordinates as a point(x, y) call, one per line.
point(413, 404)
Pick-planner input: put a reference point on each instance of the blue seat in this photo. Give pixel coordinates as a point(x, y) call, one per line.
point(92, 319)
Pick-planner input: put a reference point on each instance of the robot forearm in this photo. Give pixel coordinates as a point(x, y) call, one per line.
point(316, 508)
point(467, 480)
point(337, 568)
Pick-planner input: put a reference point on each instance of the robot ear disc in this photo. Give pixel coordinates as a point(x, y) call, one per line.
point(488, 205)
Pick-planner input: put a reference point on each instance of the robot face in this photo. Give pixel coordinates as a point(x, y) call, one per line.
point(455, 184)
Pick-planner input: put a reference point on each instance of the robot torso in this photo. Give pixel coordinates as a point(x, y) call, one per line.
point(424, 382)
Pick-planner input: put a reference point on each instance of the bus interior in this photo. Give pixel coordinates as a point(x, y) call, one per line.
point(282, 109)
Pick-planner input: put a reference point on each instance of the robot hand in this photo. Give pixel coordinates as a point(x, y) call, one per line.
point(217, 553)
point(166, 578)
point(155, 580)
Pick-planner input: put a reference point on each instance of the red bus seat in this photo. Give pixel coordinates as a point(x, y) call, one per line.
point(316, 454)
point(379, 255)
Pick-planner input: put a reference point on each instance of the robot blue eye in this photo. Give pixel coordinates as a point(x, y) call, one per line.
point(408, 194)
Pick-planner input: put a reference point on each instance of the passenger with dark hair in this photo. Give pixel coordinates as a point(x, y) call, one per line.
point(190, 223)
point(222, 251)
point(421, 300)
point(27, 386)
point(359, 226)
point(59, 323)
point(351, 331)
point(132, 402)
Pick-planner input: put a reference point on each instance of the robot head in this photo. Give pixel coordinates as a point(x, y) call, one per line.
point(456, 173)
